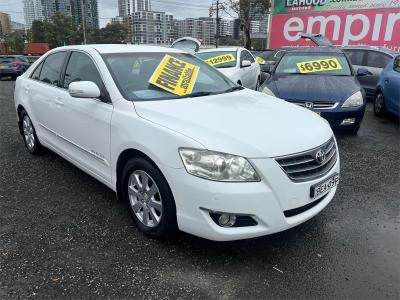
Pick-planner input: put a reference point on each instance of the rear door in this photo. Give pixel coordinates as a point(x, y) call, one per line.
point(84, 123)
point(44, 91)
point(375, 63)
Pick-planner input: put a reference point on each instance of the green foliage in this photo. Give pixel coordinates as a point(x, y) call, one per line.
point(111, 34)
point(13, 42)
point(37, 34)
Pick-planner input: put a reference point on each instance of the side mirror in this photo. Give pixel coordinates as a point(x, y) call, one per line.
point(363, 72)
point(396, 64)
point(245, 64)
point(84, 89)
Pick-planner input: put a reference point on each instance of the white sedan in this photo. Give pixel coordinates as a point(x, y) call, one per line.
point(182, 145)
point(238, 64)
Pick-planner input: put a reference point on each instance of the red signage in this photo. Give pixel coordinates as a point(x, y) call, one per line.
point(375, 27)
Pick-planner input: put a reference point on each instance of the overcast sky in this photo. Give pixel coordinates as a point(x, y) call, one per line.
point(109, 8)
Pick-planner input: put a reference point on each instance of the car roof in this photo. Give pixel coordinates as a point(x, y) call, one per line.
point(221, 49)
point(376, 48)
point(121, 48)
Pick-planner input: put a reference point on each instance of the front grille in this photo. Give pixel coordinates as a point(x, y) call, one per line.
point(315, 104)
point(305, 166)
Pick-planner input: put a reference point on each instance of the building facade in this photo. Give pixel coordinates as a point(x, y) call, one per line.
point(128, 7)
point(203, 29)
point(42, 9)
point(5, 23)
point(151, 27)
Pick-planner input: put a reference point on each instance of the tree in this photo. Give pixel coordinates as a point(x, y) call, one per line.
point(241, 9)
point(37, 33)
point(111, 34)
point(61, 30)
point(13, 43)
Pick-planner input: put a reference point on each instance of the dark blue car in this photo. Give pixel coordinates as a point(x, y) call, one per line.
point(387, 96)
point(323, 80)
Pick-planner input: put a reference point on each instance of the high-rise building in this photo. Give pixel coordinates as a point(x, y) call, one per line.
point(203, 29)
point(152, 27)
point(226, 27)
point(91, 15)
point(15, 26)
point(128, 7)
point(41, 9)
point(5, 23)
point(33, 10)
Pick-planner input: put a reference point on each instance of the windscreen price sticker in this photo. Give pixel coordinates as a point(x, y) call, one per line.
point(319, 65)
point(221, 59)
point(175, 76)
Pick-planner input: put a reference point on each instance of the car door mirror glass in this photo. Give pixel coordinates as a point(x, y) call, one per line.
point(245, 63)
point(363, 72)
point(84, 89)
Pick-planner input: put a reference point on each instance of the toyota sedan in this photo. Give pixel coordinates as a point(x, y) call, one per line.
point(186, 148)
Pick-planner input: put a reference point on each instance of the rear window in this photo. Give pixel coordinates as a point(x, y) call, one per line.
point(219, 59)
point(6, 59)
point(334, 64)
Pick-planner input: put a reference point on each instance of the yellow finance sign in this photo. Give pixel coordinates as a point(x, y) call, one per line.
point(221, 59)
point(319, 65)
point(175, 76)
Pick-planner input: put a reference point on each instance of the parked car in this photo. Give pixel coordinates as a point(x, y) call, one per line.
point(375, 59)
point(387, 96)
point(180, 143)
point(320, 79)
point(267, 57)
point(238, 64)
point(13, 65)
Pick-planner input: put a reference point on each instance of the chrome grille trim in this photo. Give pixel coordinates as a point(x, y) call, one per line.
point(317, 104)
point(303, 166)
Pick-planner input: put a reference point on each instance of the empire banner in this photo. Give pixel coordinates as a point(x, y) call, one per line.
point(344, 22)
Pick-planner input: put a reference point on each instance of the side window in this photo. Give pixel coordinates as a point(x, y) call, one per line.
point(51, 68)
point(246, 56)
point(36, 74)
point(356, 56)
point(396, 65)
point(377, 59)
point(81, 68)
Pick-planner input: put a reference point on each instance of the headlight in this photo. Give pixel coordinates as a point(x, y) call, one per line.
point(354, 100)
point(217, 166)
point(267, 91)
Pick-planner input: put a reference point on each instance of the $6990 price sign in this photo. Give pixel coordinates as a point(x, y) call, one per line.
point(319, 65)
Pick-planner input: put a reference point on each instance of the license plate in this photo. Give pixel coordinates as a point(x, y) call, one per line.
point(322, 188)
point(3, 67)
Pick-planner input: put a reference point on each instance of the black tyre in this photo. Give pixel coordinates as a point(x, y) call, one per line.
point(379, 105)
point(149, 198)
point(258, 84)
point(29, 134)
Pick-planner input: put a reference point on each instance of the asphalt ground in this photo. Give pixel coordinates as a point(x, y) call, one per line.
point(64, 235)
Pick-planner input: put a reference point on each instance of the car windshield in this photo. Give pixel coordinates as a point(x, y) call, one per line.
point(159, 76)
point(219, 59)
point(334, 64)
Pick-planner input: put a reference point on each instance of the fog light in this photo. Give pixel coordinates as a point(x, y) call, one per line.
point(348, 121)
point(226, 220)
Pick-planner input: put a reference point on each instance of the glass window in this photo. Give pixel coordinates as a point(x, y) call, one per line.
point(333, 64)
point(52, 68)
point(396, 65)
point(246, 56)
point(132, 73)
point(36, 74)
point(356, 56)
point(377, 59)
point(81, 68)
point(215, 54)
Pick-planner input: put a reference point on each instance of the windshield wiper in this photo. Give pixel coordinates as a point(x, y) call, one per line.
point(198, 94)
point(234, 88)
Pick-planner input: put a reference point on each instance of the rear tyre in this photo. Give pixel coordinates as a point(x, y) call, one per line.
point(29, 134)
point(379, 105)
point(258, 84)
point(149, 198)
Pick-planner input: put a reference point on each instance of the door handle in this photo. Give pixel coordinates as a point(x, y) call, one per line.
point(58, 101)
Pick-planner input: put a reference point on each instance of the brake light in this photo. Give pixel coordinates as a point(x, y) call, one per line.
point(15, 63)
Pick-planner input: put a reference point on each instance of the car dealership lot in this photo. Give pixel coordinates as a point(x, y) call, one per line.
point(63, 234)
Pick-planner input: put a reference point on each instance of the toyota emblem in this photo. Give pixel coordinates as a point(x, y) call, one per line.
point(320, 156)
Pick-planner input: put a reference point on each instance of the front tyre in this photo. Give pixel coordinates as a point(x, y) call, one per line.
point(379, 105)
point(149, 198)
point(29, 134)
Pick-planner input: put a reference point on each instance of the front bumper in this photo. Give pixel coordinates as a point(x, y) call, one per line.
point(267, 202)
point(337, 117)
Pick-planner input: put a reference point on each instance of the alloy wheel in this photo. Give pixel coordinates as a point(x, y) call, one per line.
point(29, 135)
point(145, 198)
point(378, 104)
